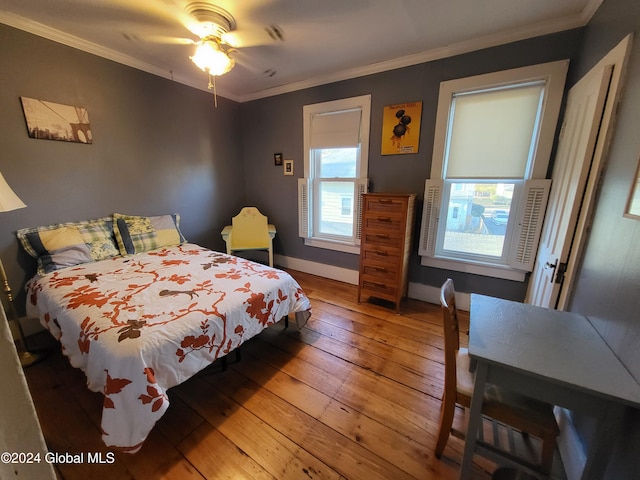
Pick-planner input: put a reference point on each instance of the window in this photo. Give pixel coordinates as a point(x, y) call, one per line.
point(486, 197)
point(346, 205)
point(336, 142)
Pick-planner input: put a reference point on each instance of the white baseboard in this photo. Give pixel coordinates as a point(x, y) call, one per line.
point(571, 451)
point(320, 269)
point(417, 291)
point(428, 293)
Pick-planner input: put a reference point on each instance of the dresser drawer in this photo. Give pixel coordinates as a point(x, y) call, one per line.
point(380, 271)
point(392, 238)
point(390, 222)
point(384, 206)
point(372, 255)
point(375, 287)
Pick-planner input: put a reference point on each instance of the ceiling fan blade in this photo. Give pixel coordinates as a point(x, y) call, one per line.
point(257, 60)
point(167, 40)
point(254, 36)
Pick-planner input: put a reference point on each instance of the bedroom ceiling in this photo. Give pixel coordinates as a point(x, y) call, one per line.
point(285, 45)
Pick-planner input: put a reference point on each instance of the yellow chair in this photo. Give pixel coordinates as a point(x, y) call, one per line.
point(249, 230)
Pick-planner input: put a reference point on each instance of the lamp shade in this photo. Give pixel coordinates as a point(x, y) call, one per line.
point(8, 199)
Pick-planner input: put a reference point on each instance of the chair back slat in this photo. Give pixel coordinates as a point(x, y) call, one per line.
point(451, 334)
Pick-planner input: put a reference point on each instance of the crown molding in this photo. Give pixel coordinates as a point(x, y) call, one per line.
point(78, 43)
point(58, 36)
point(493, 40)
point(501, 38)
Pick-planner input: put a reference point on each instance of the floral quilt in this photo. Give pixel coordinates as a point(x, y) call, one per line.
point(140, 324)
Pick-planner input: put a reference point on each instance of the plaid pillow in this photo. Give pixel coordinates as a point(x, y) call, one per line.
point(67, 244)
point(135, 234)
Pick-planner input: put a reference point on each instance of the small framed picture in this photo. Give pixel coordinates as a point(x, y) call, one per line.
point(277, 159)
point(288, 167)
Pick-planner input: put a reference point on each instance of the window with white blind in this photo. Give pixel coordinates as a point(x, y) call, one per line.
point(336, 149)
point(485, 201)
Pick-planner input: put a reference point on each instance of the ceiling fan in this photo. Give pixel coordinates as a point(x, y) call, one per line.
point(211, 23)
point(220, 43)
point(217, 31)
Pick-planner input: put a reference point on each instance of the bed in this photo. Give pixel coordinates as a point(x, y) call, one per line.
point(140, 322)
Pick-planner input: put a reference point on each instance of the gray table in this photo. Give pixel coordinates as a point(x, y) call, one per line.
point(551, 355)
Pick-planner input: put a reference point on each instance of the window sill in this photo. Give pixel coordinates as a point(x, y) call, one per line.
point(494, 271)
point(329, 245)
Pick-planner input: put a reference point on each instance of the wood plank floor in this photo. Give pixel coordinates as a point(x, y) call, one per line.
point(355, 394)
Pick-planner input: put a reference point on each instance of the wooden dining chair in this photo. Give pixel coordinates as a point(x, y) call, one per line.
point(524, 414)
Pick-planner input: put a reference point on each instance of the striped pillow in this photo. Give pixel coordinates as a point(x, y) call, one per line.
point(136, 234)
point(67, 244)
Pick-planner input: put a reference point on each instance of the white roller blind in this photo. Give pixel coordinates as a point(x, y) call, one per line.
point(492, 132)
point(335, 129)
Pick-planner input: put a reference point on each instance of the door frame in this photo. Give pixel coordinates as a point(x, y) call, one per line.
point(618, 59)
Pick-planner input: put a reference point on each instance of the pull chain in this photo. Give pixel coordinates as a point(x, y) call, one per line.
point(212, 86)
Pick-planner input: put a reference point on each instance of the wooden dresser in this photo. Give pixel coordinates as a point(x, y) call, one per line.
point(387, 228)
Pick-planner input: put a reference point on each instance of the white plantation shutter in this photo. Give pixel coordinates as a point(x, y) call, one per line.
point(303, 207)
point(361, 186)
point(430, 217)
point(529, 224)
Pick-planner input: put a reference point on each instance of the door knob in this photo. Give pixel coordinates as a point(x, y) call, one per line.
point(551, 266)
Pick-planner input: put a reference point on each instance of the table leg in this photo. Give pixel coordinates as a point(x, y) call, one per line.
point(475, 420)
point(608, 427)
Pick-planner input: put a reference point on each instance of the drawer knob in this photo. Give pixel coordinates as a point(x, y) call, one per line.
point(382, 235)
point(384, 219)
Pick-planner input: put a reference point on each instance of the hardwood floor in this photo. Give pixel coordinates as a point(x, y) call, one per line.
point(353, 395)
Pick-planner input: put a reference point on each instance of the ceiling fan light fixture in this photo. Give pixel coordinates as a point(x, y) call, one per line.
point(209, 57)
point(212, 52)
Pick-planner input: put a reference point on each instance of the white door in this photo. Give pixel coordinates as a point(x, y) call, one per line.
point(558, 237)
point(581, 124)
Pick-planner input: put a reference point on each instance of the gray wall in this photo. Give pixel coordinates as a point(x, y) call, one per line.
point(158, 147)
point(161, 147)
point(275, 125)
point(608, 282)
